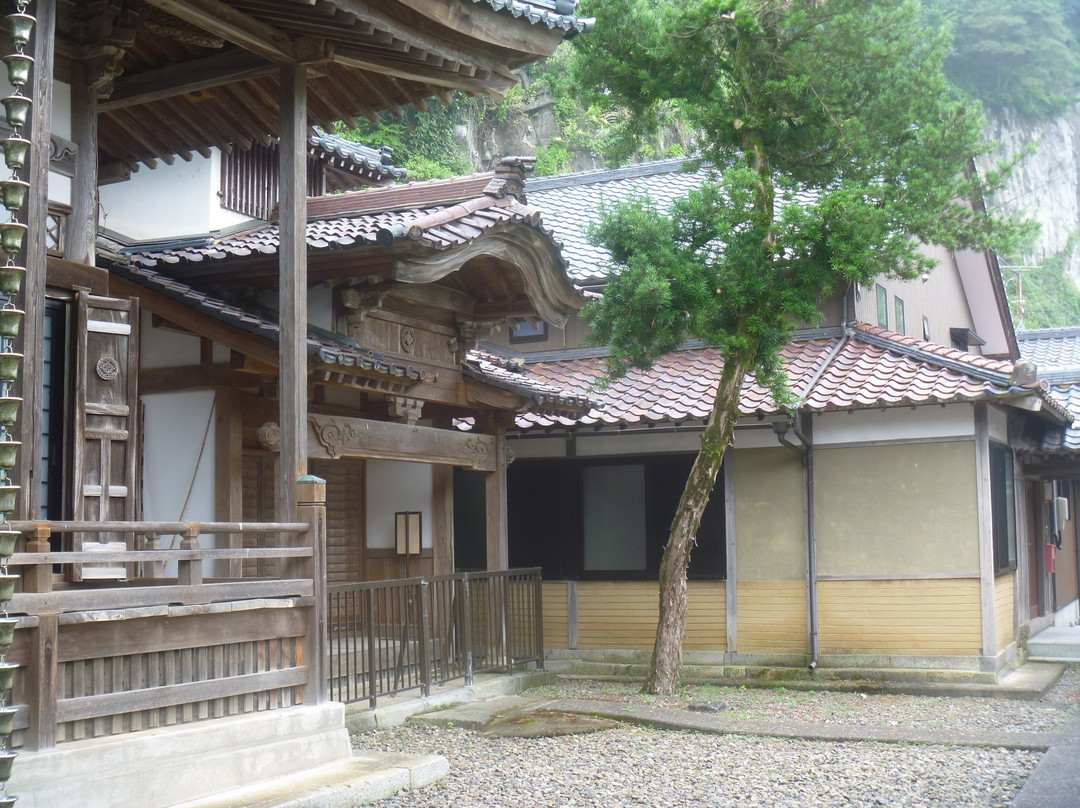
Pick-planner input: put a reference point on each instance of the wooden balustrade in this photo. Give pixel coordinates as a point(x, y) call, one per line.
point(110, 657)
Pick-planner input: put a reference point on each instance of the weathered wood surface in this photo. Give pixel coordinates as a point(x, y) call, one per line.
point(292, 286)
point(77, 600)
point(337, 436)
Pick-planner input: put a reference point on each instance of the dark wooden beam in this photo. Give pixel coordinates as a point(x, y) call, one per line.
point(425, 74)
point(187, 77)
point(228, 22)
point(292, 290)
point(193, 377)
point(82, 223)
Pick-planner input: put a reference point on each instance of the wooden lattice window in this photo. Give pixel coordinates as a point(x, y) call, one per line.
point(55, 222)
point(249, 181)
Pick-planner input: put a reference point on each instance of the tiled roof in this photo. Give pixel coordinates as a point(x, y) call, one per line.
point(510, 374)
point(553, 13)
point(1056, 351)
point(356, 157)
point(439, 227)
point(571, 202)
point(347, 355)
point(870, 367)
point(330, 349)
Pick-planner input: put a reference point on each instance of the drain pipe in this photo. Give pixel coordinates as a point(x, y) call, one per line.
point(805, 449)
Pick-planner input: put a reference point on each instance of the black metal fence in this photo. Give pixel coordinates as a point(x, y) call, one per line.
point(389, 636)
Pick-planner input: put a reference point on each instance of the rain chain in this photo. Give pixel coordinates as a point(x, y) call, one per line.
point(13, 192)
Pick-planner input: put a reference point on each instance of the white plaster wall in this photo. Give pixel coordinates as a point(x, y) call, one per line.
point(162, 348)
point(321, 306)
point(167, 202)
point(998, 422)
point(174, 426)
point(393, 486)
point(894, 424)
point(59, 187)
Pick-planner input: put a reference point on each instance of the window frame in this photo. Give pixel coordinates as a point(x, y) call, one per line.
point(560, 480)
point(882, 305)
point(1003, 517)
point(900, 325)
point(540, 335)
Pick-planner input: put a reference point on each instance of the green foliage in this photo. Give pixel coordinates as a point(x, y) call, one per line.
point(839, 149)
point(553, 159)
point(1043, 296)
point(423, 142)
point(1017, 54)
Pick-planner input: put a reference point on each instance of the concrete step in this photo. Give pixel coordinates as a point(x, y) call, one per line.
point(366, 778)
point(1055, 651)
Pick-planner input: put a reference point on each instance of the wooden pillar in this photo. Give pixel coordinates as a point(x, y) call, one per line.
point(442, 519)
point(984, 511)
point(311, 508)
point(498, 546)
point(292, 291)
point(229, 481)
point(81, 227)
point(41, 684)
point(28, 473)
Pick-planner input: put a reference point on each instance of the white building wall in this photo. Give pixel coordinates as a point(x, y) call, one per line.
point(168, 201)
point(174, 425)
point(394, 486)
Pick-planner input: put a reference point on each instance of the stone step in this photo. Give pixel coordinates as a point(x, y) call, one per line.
point(764, 674)
point(1059, 652)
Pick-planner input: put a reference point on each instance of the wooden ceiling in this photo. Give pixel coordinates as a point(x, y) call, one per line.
point(178, 77)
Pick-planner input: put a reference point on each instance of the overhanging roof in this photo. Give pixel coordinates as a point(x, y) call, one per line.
point(176, 77)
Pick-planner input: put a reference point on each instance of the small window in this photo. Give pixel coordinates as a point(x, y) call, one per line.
point(882, 306)
point(926, 328)
point(529, 332)
point(899, 308)
point(1003, 507)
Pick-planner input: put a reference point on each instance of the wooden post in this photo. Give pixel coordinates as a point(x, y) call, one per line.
point(41, 684)
point(498, 549)
point(81, 228)
point(28, 473)
point(311, 508)
point(190, 573)
point(228, 459)
point(38, 578)
point(292, 287)
point(442, 519)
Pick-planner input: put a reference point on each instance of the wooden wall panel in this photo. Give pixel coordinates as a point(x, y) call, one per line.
point(344, 518)
point(623, 615)
point(556, 630)
point(915, 616)
point(772, 617)
point(1004, 610)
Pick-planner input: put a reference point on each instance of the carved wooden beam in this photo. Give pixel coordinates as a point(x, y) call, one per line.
point(335, 437)
point(227, 22)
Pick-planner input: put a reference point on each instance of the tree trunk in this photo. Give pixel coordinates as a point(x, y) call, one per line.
point(667, 650)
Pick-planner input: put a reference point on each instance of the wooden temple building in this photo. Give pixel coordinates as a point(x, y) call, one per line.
point(222, 431)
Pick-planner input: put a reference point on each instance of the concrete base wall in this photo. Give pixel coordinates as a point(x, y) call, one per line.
point(163, 767)
point(1068, 615)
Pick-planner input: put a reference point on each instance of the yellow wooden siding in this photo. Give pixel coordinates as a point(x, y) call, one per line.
point(556, 634)
point(772, 617)
point(918, 617)
point(1004, 609)
point(623, 614)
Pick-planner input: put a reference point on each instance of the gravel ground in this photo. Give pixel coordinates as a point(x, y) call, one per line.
point(636, 766)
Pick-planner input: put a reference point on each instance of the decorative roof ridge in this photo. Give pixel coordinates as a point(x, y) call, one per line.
point(358, 155)
point(915, 350)
point(596, 175)
point(1032, 334)
point(553, 13)
point(399, 197)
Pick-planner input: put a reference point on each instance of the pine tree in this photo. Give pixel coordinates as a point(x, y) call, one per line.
point(838, 150)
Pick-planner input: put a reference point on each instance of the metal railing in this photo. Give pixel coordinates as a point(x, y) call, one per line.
point(386, 637)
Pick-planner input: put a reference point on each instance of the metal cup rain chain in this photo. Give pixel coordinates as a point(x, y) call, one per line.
point(13, 192)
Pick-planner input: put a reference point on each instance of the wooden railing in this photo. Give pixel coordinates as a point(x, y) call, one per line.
point(165, 646)
point(385, 637)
